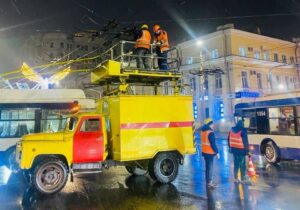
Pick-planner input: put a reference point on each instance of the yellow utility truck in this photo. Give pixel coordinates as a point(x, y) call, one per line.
point(142, 133)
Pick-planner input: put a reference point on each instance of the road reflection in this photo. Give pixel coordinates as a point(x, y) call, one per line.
point(139, 192)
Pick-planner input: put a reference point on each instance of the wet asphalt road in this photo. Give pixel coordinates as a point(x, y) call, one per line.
point(276, 187)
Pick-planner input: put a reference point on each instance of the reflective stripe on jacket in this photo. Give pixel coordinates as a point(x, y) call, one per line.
point(144, 41)
point(164, 40)
point(205, 143)
point(236, 140)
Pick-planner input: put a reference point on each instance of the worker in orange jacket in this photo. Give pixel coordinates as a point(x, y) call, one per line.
point(239, 147)
point(142, 47)
point(209, 150)
point(162, 42)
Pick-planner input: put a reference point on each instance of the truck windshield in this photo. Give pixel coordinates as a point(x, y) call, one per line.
point(71, 123)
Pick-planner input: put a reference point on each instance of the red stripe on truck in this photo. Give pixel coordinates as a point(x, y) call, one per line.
point(156, 125)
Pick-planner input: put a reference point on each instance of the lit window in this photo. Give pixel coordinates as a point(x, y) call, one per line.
point(245, 82)
point(206, 85)
point(275, 57)
point(189, 61)
point(283, 58)
point(218, 81)
point(266, 56)
point(243, 51)
point(259, 81)
point(292, 59)
point(214, 54)
point(257, 55)
point(193, 83)
point(294, 81)
point(287, 81)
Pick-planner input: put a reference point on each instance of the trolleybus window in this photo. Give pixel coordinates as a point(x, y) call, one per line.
point(281, 121)
point(298, 119)
point(249, 117)
point(16, 123)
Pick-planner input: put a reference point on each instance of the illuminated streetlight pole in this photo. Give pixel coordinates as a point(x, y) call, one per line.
point(201, 79)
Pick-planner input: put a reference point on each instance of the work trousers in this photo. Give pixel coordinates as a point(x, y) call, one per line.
point(239, 165)
point(143, 59)
point(162, 60)
point(209, 167)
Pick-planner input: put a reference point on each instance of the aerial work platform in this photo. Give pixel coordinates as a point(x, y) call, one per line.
point(111, 72)
point(119, 66)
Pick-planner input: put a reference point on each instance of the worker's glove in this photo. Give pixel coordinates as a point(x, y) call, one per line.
point(158, 43)
point(218, 156)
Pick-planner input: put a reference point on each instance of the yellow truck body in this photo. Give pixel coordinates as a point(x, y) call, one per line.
point(142, 126)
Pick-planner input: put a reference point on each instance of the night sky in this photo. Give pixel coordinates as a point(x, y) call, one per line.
point(184, 19)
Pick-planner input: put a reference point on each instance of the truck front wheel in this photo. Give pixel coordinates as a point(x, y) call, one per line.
point(50, 175)
point(165, 167)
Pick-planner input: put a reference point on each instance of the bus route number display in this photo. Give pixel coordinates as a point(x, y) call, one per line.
point(261, 113)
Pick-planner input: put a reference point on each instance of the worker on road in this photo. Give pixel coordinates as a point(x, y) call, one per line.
point(239, 147)
point(209, 150)
point(142, 47)
point(162, 46)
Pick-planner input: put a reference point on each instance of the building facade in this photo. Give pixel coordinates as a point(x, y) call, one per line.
point(252, 64)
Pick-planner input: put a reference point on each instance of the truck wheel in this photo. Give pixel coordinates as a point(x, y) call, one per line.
point(50, 175)
point(165, 167)
point(151, 169)
point(271, 152)
point(136, 171)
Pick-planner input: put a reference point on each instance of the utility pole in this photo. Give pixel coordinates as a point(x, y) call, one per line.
point(202, 76)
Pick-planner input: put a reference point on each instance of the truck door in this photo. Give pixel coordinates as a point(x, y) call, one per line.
point(88, 144)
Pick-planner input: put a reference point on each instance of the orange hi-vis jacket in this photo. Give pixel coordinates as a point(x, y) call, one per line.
point(144, 41)
point(164, 40)
point(205, 143)
point(236, 140)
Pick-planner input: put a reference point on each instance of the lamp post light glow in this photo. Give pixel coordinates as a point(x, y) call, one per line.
point(281, 86)
point(199, 42)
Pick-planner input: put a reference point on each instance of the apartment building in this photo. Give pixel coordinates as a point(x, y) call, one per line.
point(253, 65)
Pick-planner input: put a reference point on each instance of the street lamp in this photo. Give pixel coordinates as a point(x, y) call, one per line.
point(270, 77)
point(199, 42)
point(281, 86)
point(201, 79)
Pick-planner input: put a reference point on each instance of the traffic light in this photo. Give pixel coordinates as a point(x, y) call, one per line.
point(219, 110)
point(195, 109)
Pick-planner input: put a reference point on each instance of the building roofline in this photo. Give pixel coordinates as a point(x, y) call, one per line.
point(235, 31)
point(249, 34)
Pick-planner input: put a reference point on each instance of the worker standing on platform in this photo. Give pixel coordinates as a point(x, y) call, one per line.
point(162, 42)
point(209, 150)
point(142, 47)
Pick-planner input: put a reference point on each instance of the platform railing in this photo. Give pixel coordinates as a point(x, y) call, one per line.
point(125, 53)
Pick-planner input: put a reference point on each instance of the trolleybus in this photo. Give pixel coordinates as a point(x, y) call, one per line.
point(273, 124)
